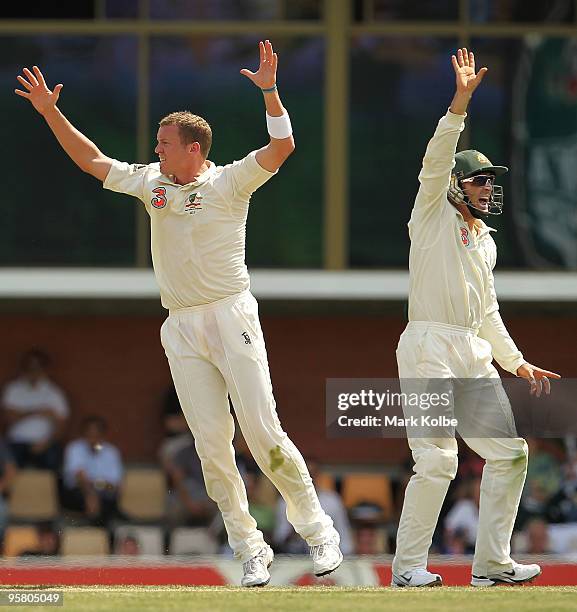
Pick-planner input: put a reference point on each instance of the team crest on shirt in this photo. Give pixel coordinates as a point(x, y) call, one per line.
point(193, 204)
point(465, 236)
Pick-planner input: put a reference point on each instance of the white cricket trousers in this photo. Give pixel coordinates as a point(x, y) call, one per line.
point(218, 349)
point(434, 351)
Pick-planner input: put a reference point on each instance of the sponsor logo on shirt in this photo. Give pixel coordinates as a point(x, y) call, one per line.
point(160, 200)
point(246, 338)
point(465, 236)
point(194, 203)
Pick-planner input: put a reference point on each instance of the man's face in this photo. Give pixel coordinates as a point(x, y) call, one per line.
point(173, 154)
point(94, 435)
point(478, 189)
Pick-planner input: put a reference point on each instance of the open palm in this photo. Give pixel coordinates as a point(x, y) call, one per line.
point(265, 76)
point(37, 91)
point(464, 65)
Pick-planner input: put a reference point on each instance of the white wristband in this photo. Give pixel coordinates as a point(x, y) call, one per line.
point(279, 127)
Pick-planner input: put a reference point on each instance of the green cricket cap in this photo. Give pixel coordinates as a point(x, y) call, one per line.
point(470, 162)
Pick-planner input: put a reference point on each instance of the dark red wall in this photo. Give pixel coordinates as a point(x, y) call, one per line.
point(115, 366)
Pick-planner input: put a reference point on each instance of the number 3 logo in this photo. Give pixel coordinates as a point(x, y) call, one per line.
point(160, 200)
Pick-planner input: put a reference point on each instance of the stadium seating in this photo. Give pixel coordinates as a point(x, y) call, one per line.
point(19, 538)
point(143, 494)
point(192, 540)
point(368, 488)
point(33, 496)
point(85, 541)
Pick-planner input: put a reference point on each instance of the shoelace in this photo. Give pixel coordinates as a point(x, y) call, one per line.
point(252, 564)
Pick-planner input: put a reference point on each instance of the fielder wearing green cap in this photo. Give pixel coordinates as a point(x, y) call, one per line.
point(473, 169)
point(454, 333)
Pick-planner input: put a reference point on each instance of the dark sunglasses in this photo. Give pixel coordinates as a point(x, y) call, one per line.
point(480, 180)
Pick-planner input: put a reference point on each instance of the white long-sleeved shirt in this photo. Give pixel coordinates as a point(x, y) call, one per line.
point(451, 267)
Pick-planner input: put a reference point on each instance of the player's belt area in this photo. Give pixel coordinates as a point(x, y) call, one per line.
point(444, 327)
point(211, 305)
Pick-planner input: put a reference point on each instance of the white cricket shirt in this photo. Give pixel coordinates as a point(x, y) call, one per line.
point(197, 230)
point(25, 397)
point(450, 266)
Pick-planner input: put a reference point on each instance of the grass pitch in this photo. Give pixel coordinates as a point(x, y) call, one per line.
point(314, 599)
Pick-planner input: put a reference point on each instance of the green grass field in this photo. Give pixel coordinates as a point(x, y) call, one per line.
point(297, 599)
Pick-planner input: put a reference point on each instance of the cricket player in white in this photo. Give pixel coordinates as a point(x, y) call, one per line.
point(212, 336)
point(454, 331)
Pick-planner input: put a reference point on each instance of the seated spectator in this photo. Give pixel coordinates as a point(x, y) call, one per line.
point(260, 508)
point(462, 520)
point(176, 431)
point(48, 542)
point(542, 482)
point(369, 540)
point(562, 506)
point(7, 474)
point(35, 411)
point(92, 473)
point(284, 537)
point(128, 545)
point(188, 501)
point(536, 537)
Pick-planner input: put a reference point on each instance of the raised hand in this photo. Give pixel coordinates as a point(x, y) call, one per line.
point(265, 76)
point(537, 377)
point(466, 77)
point(37, 91)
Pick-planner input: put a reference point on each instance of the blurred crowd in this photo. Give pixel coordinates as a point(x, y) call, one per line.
point(89, 475)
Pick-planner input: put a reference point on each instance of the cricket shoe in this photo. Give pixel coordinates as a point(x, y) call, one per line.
point(517, 575)
point(326, 557)
point(256, 572)
point(420, 577)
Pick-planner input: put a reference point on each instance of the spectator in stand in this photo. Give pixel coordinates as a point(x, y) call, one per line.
point(35, 411)
point(562, 506)
point(176, 431)
point(368, 540)
point(48, 542)
point(537, 537)
point(7, 474)
point(542, 482)
point(188, 501)
point(462, 520)
point(284, 537)
point(92, 473)
point(128, 545)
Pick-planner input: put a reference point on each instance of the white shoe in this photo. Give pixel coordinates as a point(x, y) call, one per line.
point(517, 575)
point(326, 557)
point(256, 569)
point(420, 577)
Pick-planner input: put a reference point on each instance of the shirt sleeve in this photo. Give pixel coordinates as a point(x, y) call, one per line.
point(505, 352)
point(126, 178)
point(242, 178)
point(438, 162)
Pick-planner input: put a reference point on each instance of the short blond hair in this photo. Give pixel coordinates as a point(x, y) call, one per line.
point(191, 128)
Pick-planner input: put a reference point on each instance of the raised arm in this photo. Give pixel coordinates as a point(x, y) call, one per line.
point(83, 152)
point(281, 145)
point(438, 160)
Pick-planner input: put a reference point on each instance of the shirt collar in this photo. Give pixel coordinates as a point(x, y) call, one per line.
point(201, 178)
